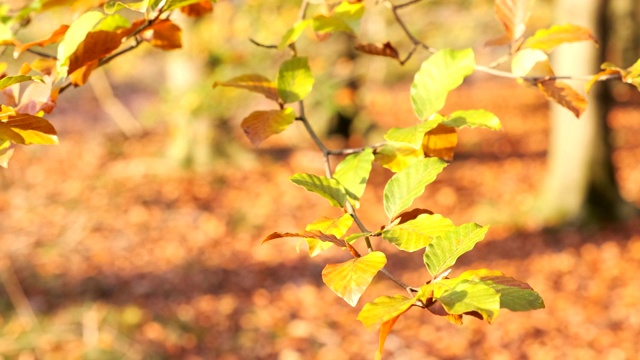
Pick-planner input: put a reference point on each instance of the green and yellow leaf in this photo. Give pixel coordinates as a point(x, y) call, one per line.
point(445, 249)
point(350, 279)
point(439, 75)
point(515, 295)
point(336, 227)
point(462, 296)
point(547, 39)
point(406, 185)
point(416, 234)
point(473, 119)
point(25, 129)
point(353, 172)
point(383, 309)
point(252, 82)
point(295, 80)
point(330, 189)
point(294, 33)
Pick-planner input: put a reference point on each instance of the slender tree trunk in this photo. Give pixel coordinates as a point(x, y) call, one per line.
point(580, 186)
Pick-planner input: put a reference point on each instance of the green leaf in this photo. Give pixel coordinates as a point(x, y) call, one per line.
point(445, 249)
point(112, 22)
point(76, 33)
point(7, 81)
point(113, 6)
point(260, 125)
point(252, 82)
point(295, 80)
point(384, 309)
point(350, 13)
point(547, 39)
point(515, 295)
point(350, 279)
point(438, 75)
point(417, 233)
point(330, 189)
point(323, 24)
point(353, 173)
point(353, 237)
point(294, 33)
point(460, 296)
point(473, 119)
point(408, 184)
point(337, 227)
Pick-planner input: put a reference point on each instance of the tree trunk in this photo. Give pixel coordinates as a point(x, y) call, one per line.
point(580, 186)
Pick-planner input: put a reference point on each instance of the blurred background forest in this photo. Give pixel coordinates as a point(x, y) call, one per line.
point(138, 237)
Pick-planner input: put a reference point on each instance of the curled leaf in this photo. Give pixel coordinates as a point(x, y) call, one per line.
point(385, 49)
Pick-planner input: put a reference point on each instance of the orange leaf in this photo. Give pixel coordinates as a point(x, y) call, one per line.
point(53, 38)
point(564, 95)
point(547, 39)
point(44, 66)
point(197, 9)
point(259, 125)
point(307, 234)
point(95, 46)
point(440, 142)
point(385, 49)
point(603, 74)
point(164, 35)
point(385, 329)
point(81, 76)
point(513, 15)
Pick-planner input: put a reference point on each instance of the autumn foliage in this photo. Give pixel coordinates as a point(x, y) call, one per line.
point(414, 155)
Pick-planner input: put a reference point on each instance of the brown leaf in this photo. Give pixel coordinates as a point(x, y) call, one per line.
point(410, 215)
point(440, 142)
point(513, 15)
point(564, 95)
point(164, 34)
point(56, 36)
point(197, 9)
point(95, 46)
point(306, 234)
point(385, 49)
point(436, 308)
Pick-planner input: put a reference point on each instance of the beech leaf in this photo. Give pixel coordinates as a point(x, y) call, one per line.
point(408, 184)
point(473, 119)
point(397, 157)
point(439, 75)
point(95, 46)
point(260, 125)
point(440, 142)
point(350, 279)
point(164, 34)
point(531, 63)
point(353, 173)
point(547, 39)
point(73, 37)
point(385, 49)
point(515, 295)
point(412, 135)
point(335, 227)
point(295, 80)
point(385, 329)
point(513, 15)
point(416, 234)
point(461, 296)
point(252, 82)
point(26, 129)
point(56, 36)
point(445, 249)
point(330, 189)
point(564, 95)
point(7, 81)
point(383, 309)
point(294, 33)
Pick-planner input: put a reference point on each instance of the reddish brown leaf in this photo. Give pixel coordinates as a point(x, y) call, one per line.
point(197, 9)
point(513, 15)
point(164, 35)
point(306, 234)
point(385, 49)
point(436, 308)
point(440, 142)
point(52, 39)
point(280, 235)
point(410, 215)
point(564, 95)
point(95, 46)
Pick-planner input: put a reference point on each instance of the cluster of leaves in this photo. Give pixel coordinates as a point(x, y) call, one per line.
point(94, 38)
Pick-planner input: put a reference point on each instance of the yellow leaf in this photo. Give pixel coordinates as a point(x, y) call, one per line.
point(603, 74)
point(531, 63)
point(513, 15)
point(253, 82)
point(547, 39)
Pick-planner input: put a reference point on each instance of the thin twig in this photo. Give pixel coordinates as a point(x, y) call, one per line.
point(41, 54)
point(255, 42)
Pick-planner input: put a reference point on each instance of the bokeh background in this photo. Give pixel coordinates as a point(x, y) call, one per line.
point(138, 237)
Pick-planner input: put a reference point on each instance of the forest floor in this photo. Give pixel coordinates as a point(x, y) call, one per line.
point(120, 255)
